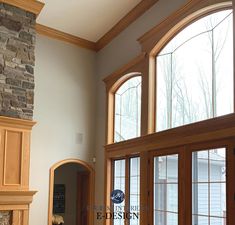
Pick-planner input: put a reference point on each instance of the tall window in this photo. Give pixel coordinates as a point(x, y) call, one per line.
point(195, 73)
point(129, 183)
point(128, 110)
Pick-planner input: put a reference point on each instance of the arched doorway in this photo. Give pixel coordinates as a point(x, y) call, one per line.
point(85, 171)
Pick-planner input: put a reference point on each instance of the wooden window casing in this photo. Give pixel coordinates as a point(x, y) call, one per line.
point(137, 67)
point(127, 183)
point(208, 134)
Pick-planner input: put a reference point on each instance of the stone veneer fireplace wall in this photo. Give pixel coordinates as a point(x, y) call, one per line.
point(17, 44)
point(17, 60)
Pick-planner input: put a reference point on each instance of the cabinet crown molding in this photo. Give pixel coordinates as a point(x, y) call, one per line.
point(16, 197)
point(16, 123)
point(32, 6)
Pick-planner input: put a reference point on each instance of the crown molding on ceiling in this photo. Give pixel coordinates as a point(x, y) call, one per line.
point(62, 36)
point(28, 5)
point(130, 17)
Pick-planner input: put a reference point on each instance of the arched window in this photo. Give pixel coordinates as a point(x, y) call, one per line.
point(128, 110)
point(195, 73)
point(184, 175)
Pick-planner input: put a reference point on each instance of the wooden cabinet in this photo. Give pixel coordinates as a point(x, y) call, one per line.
point(15, 195)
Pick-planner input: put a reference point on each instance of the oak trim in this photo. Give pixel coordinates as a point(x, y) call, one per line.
point(230, 182)
point(88, 168)
point(126, 69)
point(15, 124)
point(129, 18)
point(212, 132)
point(16, 197)
point(134, 68)
point(5, 159)
point(212, 129)
point(32, 6)
point(144, 188)
point(62, 36)
point(8, 122)
point(156, 38)
point(108, 186)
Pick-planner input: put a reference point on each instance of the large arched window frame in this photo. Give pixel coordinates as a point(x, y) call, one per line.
point(162, 41)
point(183, 142)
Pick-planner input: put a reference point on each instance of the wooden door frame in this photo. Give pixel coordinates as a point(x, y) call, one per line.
point(91, 194)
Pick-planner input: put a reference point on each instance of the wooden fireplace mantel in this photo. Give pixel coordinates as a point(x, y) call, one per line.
point(17, 202)
point(15, 198)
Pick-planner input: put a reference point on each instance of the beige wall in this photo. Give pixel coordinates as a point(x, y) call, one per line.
point(64, 106)
point(119, 52)
point(68, 87)
point(67, 175)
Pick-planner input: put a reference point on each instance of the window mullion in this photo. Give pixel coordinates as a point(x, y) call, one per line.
point(230, 184)
point(145, 175)
point(186, 187)
point(127, 189)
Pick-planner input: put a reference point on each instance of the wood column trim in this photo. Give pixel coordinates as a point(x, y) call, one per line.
point(144, 188)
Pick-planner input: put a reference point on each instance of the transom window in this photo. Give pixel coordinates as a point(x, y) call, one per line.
point(195, 73)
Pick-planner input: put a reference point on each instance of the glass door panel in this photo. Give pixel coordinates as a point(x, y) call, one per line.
point(166, 190)
point(119, 184)
point(134, 191)
point(209, 187)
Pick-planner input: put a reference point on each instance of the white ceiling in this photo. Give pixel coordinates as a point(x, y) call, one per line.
point(88, 19)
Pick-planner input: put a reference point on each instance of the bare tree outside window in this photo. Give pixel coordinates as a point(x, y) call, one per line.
point(128, 110)
point(195, 73)
point(194, 83)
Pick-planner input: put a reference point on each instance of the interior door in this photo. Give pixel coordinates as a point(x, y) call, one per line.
point(82, 198)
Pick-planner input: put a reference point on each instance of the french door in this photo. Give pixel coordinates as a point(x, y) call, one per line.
point(193, 184)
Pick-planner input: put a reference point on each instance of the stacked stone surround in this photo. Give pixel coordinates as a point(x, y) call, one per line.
point(5, 217)
point(17, 45)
